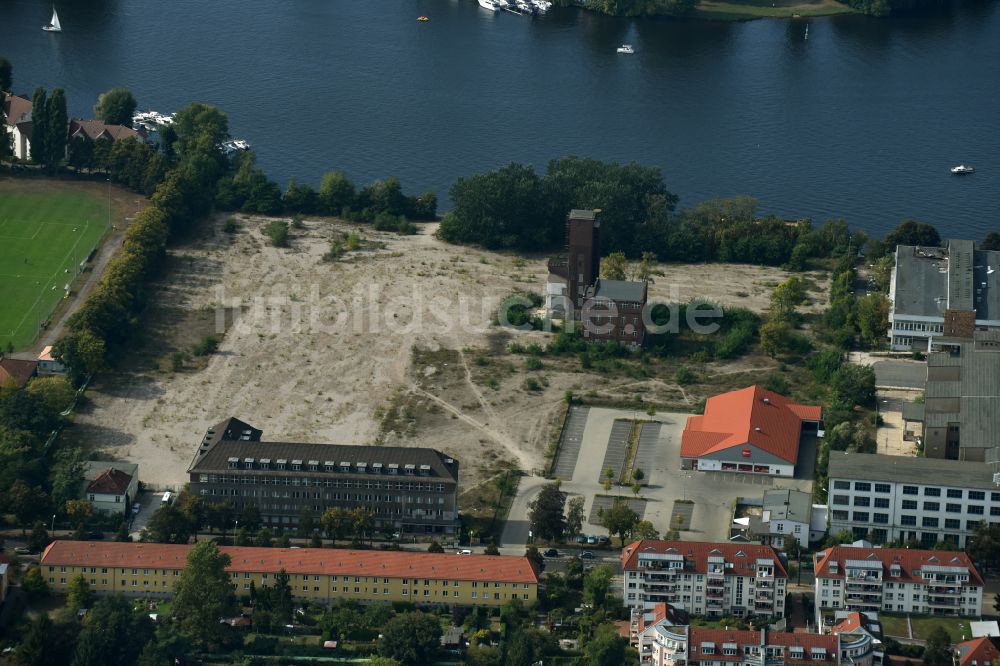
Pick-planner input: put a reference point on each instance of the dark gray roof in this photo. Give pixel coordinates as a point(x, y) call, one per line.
point(214, 455)
point(906, 469)
point(929, 280)
point(786, 504)
point(91, 468)
point(913, 411)
point(581, 214)
point(964, 388)
point(621, 290)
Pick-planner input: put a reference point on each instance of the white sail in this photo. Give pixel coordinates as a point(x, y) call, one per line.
point(55, 21)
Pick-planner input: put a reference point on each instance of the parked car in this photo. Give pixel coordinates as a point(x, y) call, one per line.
point(591, 539)
point(465, 551)
point(581, 538)
point(587, 555)
point(551, 552)
point(22, 550)
point(602, 539)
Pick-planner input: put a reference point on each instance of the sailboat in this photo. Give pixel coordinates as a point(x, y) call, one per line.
point(53, 25)
point(807, 31)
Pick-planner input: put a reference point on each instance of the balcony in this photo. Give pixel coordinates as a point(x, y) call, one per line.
point(864, 589)
point(875, 578)
point(939, 591)
point(943, 602)
point(714, 594)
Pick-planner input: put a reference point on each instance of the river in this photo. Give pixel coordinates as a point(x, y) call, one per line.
point(862, 119)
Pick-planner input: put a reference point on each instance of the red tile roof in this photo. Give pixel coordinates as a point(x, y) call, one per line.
point(755, 416)
point(16, 371)
point(17, 109)
point(696, 554)
point(909, 561)
point(389, 564)
point(95, 129)
point(110, 481)
point(979, 651)
point(699, 635)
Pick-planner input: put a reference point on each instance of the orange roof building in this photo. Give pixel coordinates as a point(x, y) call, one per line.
point(16, 372)
point(983, 651)
point(317, 574)
point(751, 430)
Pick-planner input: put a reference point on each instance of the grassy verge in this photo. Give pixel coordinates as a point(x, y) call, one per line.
point(754, 9)
point(895, 625)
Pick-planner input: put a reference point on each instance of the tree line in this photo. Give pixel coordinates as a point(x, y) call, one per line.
point(634, 7)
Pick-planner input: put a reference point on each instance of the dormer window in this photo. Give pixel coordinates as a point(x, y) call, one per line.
point(313, 465)
point(393, 468)
point(409, 469)
point(248, 463)
point(425, 470)
point(281, 463)
point(329, 466)
point(817, 653)
point(265, 463)
point(376, 468)
point(234, 463)
point(708, 648)
point(345, 466)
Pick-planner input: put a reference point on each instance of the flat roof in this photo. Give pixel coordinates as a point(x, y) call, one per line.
point(962, 387)
point(906, 469)
point(621, 290)
point(930, 280)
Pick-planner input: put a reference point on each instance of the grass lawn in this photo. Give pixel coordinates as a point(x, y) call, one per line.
point(737, 10)
point(895, 625)
point(44, 235)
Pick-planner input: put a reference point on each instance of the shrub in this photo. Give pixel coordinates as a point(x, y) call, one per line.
point(353, 241)
point(533, 363)
point(684, 375)
point(297, 222)
point(531, 384)
point(336, 250)
point(206, 346)
point(277, 231)
point(230, 226)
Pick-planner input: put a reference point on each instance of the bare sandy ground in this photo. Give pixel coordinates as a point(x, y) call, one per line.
point(390, 344)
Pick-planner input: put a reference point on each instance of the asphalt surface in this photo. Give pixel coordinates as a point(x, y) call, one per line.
point(900, 374)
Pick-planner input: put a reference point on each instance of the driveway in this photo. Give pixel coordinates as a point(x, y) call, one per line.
point(148, 504)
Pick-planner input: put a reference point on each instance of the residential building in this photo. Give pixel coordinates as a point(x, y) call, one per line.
point(703, 646)
point(407, 489)
point(321, 575)
point(958, 415)
point(16, 372)
point(984, 651)
point(642, 619)
point(110, 487)
point(97, 130)
point(855, 622)
point(17, 112)
point(704, 578)
point(752, 431)
point(607, 310)
point(901, 498)
point(48, 365)
point(896, 580)
point(949, 292)
point(782, 514)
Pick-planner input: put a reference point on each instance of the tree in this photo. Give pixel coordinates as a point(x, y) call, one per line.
point(638, 474)
point(854, 384)
point(306, 524)
point(33, 583)
point(45, 643)
point(57, 126)
point(646, 269)
point(435, 547)
point(277, 231)
point(984, 547)
point(535, 557)
point(605, 648)
point(116, 107)
point(113, 634)
point(264, 538)
point(597, 584)
point(546, 512)
point(614, 266)
point(78, 594)
point(777, 337)
point(938, 649)
point(911, 232)
point(39, 126)
point(336, 521)
point(873, 319)
point(39, 537)
point(54, 391)
point(203, 594)
point(336, 193)
point(411, 638)
point(991, 242)
point(6, 78)
point(644, 530)
point(78, 511)
point(575, 515)
point(169, 524)
point(362, 522)
point(786, 297)
point(618, 519)
point(636, 488)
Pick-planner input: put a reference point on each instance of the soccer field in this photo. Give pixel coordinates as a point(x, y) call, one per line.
point(43, 238)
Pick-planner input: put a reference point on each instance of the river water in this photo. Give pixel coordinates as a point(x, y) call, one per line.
point(861, 119)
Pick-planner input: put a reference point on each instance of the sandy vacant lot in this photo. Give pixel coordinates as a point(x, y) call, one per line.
point(390, 344)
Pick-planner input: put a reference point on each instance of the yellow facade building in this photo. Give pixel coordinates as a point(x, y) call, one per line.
point(315, 574)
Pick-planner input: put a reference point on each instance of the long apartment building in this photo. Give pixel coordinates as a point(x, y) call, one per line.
point(896, 580)
point(704, 578)
point(887, 498)
point(665, 645)
point(408, 489)
point(316, 574)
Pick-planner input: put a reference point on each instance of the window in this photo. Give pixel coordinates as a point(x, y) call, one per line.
point(954, 493)
point(861, 516)
point(840, 514)
point(975, 509)
point(840, 500)
point(952, 524)
point(929, 522)
point(842, 485)
point(932, 506)
point(995, 510)
point(932, 492)
point(882, 518)
point(883, 488)
point(977, 495)
point(909, 490)
point(862, 486)
point(909, 505)
point(862, 501)
point(881, 502)
point(907, 520)
point(953, 508)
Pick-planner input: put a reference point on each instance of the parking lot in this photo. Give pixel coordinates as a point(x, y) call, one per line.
point(707, 497)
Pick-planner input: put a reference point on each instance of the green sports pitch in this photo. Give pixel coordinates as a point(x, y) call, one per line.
point(44, 236)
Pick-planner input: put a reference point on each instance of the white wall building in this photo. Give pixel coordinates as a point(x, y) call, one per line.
point(896, 580)
point(704, 578)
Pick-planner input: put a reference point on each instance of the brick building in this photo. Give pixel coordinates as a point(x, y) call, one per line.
point(607, 310)
point(407, 489)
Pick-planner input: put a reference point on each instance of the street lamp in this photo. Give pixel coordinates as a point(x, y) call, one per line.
point(53, 528)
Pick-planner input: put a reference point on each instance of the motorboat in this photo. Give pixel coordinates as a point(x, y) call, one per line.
point(524, 7)
point(542, 5)
point(423, 19)
point(626, 48)
point(489, 4)
point(54, 25)
point(962, 168)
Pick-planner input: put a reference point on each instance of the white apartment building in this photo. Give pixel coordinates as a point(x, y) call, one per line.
point(887, 498)
point(704, 578)
point(700, 646)
point(897, 580)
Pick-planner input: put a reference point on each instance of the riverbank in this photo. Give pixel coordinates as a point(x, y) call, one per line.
point(717, 10)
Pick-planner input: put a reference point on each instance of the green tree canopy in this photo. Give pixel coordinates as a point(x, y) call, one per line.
point(113, 634)
point(605, 648)
point(116, 107)
point(411, 638)
point(203, 594)
point(546, 512)
point(619, 519)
